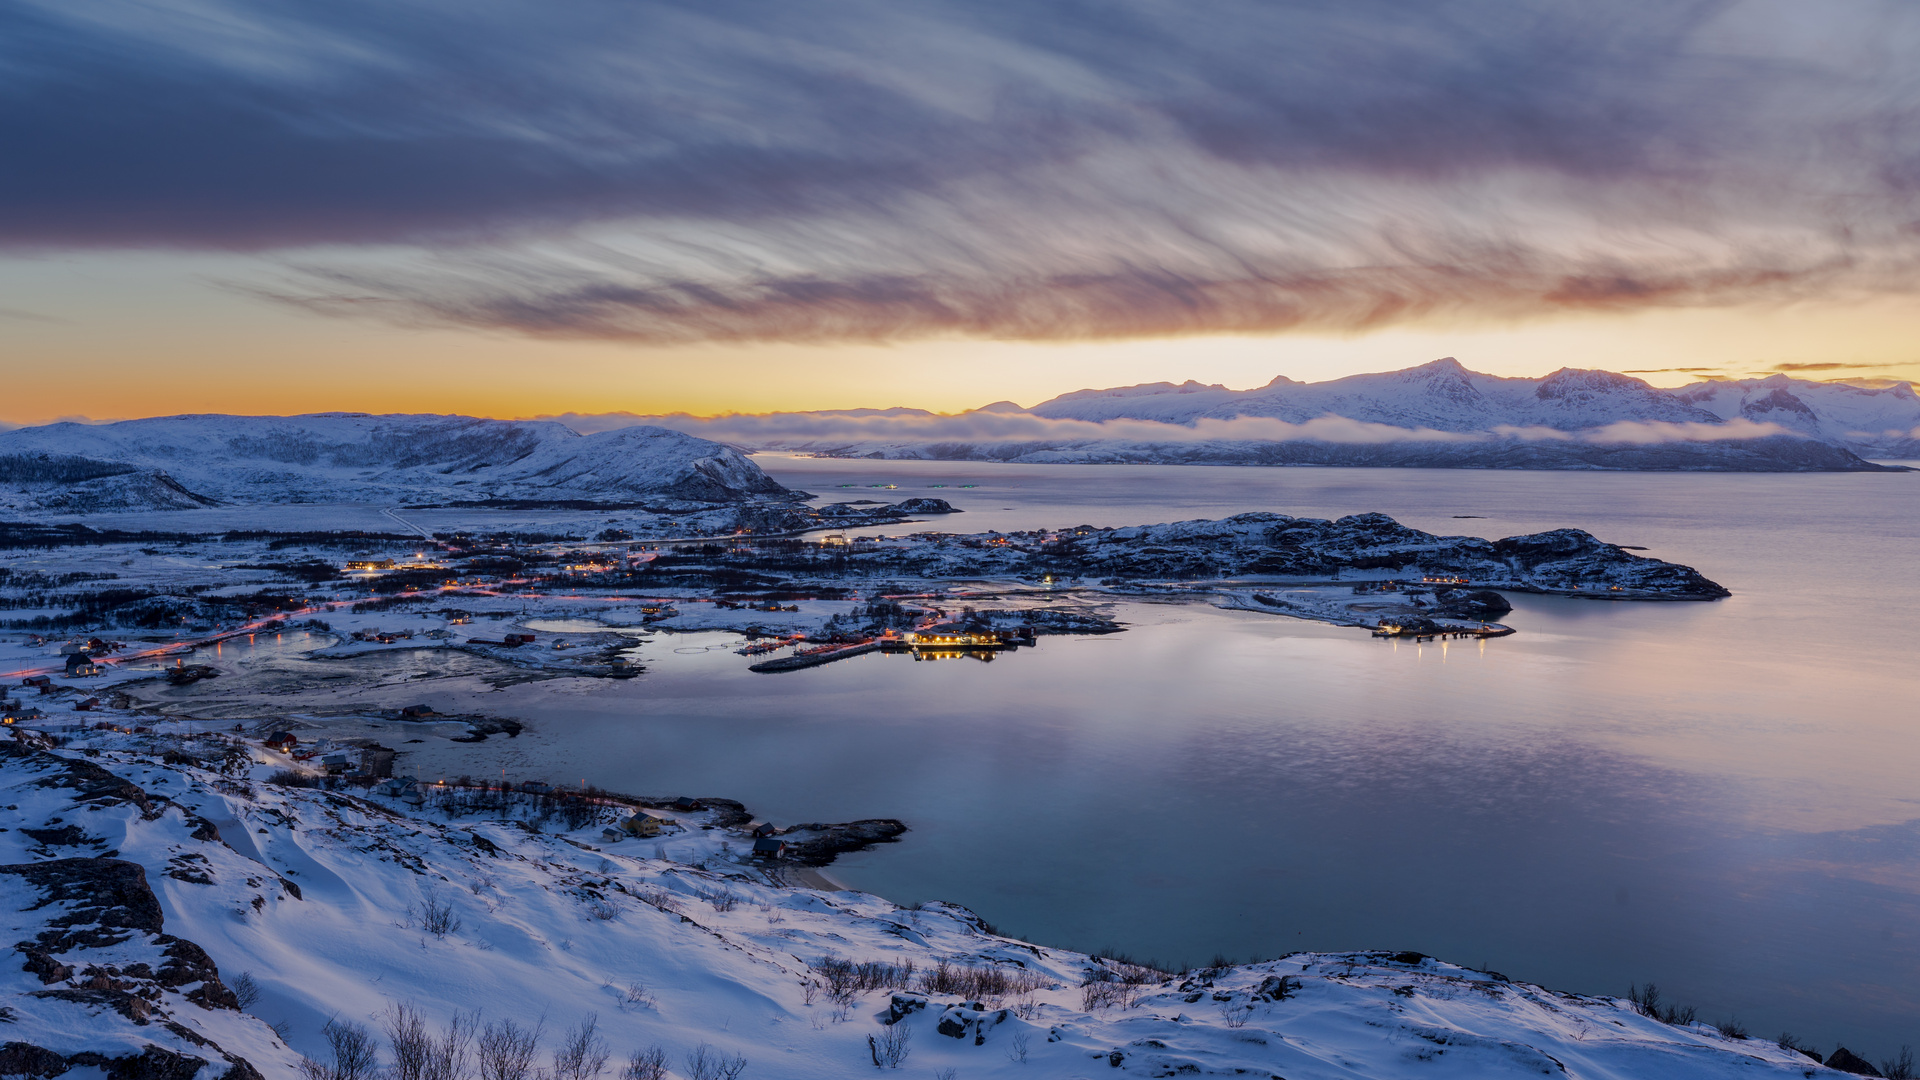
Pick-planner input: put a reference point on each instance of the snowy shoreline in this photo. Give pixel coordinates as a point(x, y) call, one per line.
point(320, 904)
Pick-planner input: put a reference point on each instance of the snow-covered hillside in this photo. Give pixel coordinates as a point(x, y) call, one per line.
point(178, 461)
point(177, 918)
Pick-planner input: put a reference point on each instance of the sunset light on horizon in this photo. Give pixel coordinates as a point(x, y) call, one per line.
point(697, 210)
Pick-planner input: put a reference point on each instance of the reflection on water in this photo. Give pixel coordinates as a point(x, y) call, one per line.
point(1720, 797)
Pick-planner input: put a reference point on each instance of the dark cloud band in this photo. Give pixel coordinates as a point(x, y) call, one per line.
point(862, 170)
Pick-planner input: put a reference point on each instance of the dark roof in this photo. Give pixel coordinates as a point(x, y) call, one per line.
point(769, 845)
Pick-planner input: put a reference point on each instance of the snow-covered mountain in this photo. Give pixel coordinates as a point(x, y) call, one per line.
point(1440, 396)
point(178, 919)
point(180, 461)
point(1436, 415)
point(1877, 421)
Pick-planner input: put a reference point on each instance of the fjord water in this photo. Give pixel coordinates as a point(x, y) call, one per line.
point(1720, 797)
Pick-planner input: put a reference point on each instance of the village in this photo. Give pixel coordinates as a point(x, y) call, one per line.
point(90, 619)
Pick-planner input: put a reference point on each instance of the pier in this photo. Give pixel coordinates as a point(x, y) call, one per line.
point(918, 643)
point(1426, 630)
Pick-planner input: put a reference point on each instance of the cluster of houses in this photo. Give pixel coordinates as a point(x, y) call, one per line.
point(383, 637)
point(14, 711)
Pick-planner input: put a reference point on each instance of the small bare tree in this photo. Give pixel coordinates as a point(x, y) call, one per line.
point(410, 1042)
point(1017, 1047)
point(892, 1047)
point(435, 915)
point(451, 1055)
point(506, 1050)
point(245, 990)
point(583, 1053)
point(353, 1053)
point(648, 1064)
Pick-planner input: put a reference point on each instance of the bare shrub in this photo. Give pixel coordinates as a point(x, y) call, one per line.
point(847, 980)
point(648, 1064)
point(245, 990)
point(506, 1050)
point(1732, 1028)
point(948, 1073)
point(601, 909)
point(892, 1046)
point(706, 1063)
point(660, 899)
point(723, 900)
point(353, 1053)
point(1101, 994)
point(290, 778)
point(988, 984)
point(434, 914)
point(1235, 1015)
point(1898, 1068)
point(1789, 1041)
point(583, 1053)
point(1646, 999)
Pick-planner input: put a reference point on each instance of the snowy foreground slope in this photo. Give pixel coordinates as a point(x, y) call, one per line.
point(183, 462)
point(144, 887)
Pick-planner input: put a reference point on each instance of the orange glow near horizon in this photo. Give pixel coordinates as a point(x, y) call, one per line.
point(126, 340)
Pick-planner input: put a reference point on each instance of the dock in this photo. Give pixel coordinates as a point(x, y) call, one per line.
point(816, 657)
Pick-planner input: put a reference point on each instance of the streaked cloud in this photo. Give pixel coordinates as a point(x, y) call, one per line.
point(856, 170)
point(1836, 366)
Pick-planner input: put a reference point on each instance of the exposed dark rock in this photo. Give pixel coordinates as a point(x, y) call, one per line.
point(110, 899)
point(41, 963)
point(92, 783)
point(817, 844)
point(1472, 603)
point(26, 1059)
point(923, 506)
point(1847, 1061)
point(64, 836)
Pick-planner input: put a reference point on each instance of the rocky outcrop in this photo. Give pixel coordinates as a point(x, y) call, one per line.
point(818, 844)
point(107, 987)
point(1569, 561)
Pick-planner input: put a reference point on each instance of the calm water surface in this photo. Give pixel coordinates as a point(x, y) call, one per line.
point(1720, 797)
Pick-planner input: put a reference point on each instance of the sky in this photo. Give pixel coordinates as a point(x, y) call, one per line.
point(514, 209)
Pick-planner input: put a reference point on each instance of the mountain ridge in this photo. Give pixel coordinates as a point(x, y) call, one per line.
point(176, 462)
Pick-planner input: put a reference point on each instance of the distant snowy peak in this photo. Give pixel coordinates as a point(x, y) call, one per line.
point(1879, 420)
point(345, 457)
point(1443, 396)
